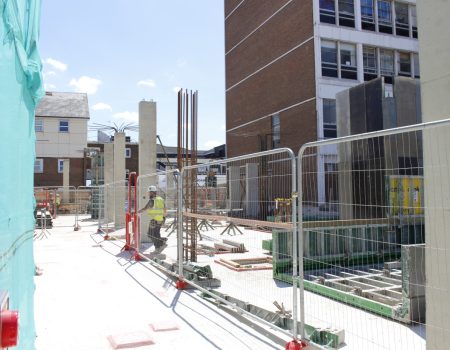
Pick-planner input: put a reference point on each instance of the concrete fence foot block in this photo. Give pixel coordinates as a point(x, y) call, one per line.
point(130, 340)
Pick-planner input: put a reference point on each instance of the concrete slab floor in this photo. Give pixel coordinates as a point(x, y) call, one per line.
point(90, 290)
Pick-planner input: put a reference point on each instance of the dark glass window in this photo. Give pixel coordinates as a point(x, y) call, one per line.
point(367, 15)
point(276, 131)
point(329, 59)
point(370, 63)
point(384, 16)
point(401, 19)
point(348, 61)
point(416, 66)
point(346, 13)
point(414, 21)
point(404, 67)
point(329, 118)
point(327, 11)
point(387, 65)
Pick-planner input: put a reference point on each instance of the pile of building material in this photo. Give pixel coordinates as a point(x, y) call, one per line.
point(225, 247)
point(44, 219)
point(250, 264)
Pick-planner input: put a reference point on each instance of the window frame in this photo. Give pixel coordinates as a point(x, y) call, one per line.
point(368, 22)
point(60, 127)
point(276, 130)
point(327, 15)
point(346, 18)
point(385, 25)
point(329, 65)
point(402, 27)
point(370, 72)
point(41, 165)
point(128, 152)
point(348, 71)
point(401, 72)
point(383, 72)
point(327, 105)
point(60, 166)
point(40, 122)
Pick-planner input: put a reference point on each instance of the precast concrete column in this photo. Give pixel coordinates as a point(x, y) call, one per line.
point(119, 180)
point(435, 85)
point(108, 159)
point(234, 187)
point(147, 158)
point(345, 182)
point(66, 180)
point(252, 190)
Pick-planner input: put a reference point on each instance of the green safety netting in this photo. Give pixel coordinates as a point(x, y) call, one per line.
point(20, 91)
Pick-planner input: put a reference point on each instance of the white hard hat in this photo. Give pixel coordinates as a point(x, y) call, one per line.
point(152, 188)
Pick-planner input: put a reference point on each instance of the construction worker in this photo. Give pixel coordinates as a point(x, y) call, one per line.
point(156, 210)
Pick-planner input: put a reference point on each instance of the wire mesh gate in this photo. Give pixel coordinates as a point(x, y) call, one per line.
point(240, 235)
point(369, 218)
point(112, 204)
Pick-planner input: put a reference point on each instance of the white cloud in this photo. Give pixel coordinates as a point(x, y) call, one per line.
point(128, 116)
point(149, 82)
point(211, 143)
point(85, 84)
point(101, 107)
point(176, 89)
point(56, 64)
point(48, 74)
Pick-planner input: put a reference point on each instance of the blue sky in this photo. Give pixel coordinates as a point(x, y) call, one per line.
point(122, 51)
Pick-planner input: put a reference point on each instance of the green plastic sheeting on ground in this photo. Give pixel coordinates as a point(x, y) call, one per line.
point(20, 91)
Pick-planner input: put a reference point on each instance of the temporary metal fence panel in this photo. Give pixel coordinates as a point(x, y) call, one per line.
point(113, 196)
point(88, 204)
point(55, 205)
point(143, 241)
point(374, 207)
point(236, 238)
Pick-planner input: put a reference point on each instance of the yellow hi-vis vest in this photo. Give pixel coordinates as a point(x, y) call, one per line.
point(157, 212)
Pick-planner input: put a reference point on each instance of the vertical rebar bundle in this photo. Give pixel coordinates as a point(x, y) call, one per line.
point(187, 155)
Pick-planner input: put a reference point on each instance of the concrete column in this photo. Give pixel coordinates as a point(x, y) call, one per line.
point(345, 182)
point(119, 180)
point(252, 190)
point(147, 157)
point(234, 187)
point(435, 80)
point(108, 170)
point(66, 180)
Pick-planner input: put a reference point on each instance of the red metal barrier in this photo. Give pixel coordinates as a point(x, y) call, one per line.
point(131, 214)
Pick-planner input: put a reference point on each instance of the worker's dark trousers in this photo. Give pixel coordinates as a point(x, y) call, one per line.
point(154, 233)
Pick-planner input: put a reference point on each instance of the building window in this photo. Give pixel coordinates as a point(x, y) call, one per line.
point(276, 131)
point(367, 15)
point(387, 65)
point(329, 59)
point(404, 64)
point(63, 126)
point(39, 165)
point(414, 21)
point(401, 19)
point(127, 174)
point(416, 65)
point(127, 152)
point(370, 63)
point(384, 16)
point(348, 61)
point(327, 11)
point(60, 165)
point(329, 118)
point(39, 125)
point(346, 13)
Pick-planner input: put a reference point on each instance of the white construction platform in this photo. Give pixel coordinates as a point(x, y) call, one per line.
point(90, 290)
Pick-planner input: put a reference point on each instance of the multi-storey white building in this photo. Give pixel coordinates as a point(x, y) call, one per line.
point(61, 133)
